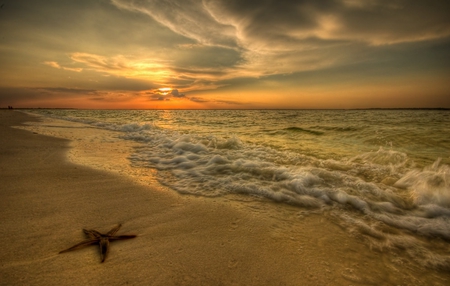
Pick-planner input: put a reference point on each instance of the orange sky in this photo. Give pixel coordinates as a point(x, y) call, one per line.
point(224, 54)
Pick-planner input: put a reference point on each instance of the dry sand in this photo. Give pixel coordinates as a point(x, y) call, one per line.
point(46, 200)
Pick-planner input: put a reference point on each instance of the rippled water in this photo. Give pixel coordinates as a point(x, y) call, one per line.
point(383, 174)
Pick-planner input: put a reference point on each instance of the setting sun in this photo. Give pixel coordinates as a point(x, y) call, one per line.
point(164, 90)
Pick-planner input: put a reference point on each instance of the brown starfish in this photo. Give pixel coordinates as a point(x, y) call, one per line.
point(95, 237)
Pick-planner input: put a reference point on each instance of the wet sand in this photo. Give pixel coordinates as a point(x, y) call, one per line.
point(46, 200)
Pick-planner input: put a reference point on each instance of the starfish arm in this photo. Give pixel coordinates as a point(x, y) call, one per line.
point(120, 237)
point(80, 245)
point(104, 247)
point(92, 234)
point(114, 230)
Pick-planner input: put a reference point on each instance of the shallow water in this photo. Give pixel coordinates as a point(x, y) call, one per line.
point(383, 175)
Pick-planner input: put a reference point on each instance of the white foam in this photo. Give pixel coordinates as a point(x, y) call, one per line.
point(430, 185)
point(382, 157)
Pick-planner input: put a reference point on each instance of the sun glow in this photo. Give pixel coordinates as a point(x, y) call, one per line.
point(164, 90)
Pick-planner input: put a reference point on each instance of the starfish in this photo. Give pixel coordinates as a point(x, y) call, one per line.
point(95, 237)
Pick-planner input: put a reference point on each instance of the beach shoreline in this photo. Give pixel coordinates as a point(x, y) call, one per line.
point(46, 201)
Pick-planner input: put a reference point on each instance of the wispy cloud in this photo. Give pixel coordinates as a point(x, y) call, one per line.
point(217, 101)
point(91, 94)
point(288, 36)
point(198, 99)
point(66, 90)
point(121, 65)
point(58, 66)
point(158, 71)
point(190, 18)
point(230, 102)
point(53, 65)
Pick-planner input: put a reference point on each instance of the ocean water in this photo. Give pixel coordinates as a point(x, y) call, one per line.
point(383, 175)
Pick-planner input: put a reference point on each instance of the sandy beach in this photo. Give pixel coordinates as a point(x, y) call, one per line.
point(46, 200)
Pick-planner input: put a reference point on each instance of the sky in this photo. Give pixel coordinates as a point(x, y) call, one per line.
point(225, 54)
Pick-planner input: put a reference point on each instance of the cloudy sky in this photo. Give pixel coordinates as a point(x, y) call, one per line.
point(225, 53)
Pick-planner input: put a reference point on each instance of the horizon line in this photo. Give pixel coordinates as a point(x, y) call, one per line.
point(369, 108)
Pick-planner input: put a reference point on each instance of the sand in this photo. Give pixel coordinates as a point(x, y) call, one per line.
point(46, 200)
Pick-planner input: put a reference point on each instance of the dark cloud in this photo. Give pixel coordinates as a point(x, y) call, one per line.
point(175, 93)
point(203, 100)
point(158, 97)
point(372, 21)
point(199, 71)
point(66, 90)
point(198, 99)
point(230, 102)
point(164, 95)
point(41, 97)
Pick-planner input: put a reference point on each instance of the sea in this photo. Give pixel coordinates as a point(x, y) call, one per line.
point(381, 174)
